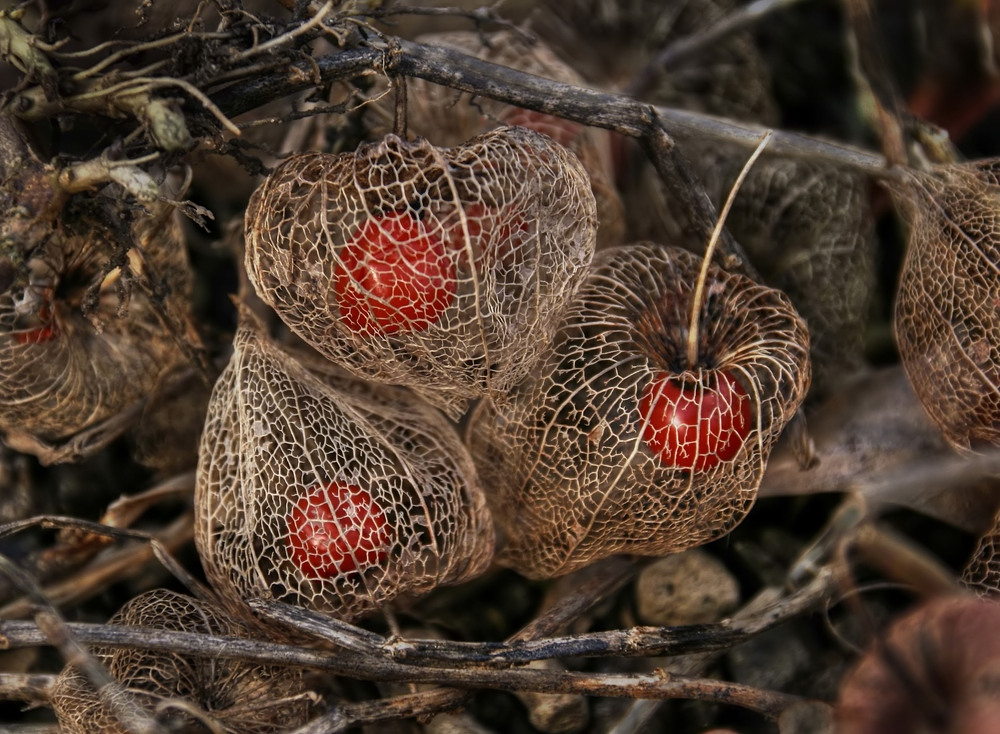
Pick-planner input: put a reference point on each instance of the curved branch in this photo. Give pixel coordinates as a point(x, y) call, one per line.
point(617, 112)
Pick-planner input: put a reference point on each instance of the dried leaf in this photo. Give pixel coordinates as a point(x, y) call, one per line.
point(873, 437)
point(79, 339)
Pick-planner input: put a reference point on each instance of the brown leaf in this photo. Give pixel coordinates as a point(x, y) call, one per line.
point(873, 437)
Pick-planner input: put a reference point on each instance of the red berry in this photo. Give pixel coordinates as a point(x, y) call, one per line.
point(693, 426)
point(564, 132)
point(495, 235)
point(393, 276)
point(336, 529)
point(40, 334)
point(36, 336)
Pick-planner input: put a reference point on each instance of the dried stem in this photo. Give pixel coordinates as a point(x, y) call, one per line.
point(365, 667)
point(682, 50)
point(346, 716)
point(121, 563)
point(635, 641)
point(616, 112)
point(31, 688)
point(699, 288)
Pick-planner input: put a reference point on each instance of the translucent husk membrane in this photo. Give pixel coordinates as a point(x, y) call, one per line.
point(180, 690)
point(446, 270)
point(446, 117)
point(947, 317)
point(317, 489)
point(569, 472)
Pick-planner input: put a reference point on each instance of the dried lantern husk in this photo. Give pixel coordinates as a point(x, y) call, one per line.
point(982, 572)
point(239, 697)
point(447, 117)
point(809, 230)
point(947, 314)
point(933, 669)
point(613, 43)
point(80, 339)
point(278, 434)
point(503, 227)
point(566, 464)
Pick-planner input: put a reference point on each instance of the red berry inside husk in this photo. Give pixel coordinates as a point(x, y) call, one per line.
point(36, 336)
point(695, 426)
point(564, 132)
point(496, 235)
point(39, 334)
point(336, 529)
point(393, 276)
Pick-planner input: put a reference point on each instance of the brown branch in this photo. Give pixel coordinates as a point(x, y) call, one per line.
point(603, 579)
point(631, 642)
point(31, 688)
point(616, 112)
point(106, 570)
point(365, 667)
point(348, 715)
point(684, 49)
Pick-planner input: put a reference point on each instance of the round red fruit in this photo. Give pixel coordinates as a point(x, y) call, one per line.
point(46, 332)
point(36, 336)
point(496, 236)
point(336, 529)
point(564, 132)
point(695, 426)
point(393, 276)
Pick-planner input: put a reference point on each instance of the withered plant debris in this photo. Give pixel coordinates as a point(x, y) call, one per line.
point(381, 319)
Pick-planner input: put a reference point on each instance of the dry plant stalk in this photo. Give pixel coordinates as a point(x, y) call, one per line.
point(617, 444)
point(186, 690)
point(947, 317)
point(446, 117)
point(328, 493)
point(446, 270)
point(79, 338)
point(809, 229)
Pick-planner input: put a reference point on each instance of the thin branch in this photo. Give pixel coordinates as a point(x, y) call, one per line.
point(106, 570)
point(346, 716)
point(315, 21)
point(601, 580)
point(616, 112)
point(635, 641)
point(365, 667)
point(683, 50)
point(409, 655)
point(33, 688)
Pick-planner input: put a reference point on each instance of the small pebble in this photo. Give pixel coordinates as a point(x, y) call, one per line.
point(687, 588)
